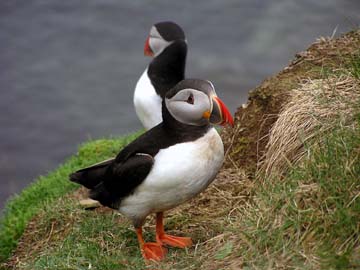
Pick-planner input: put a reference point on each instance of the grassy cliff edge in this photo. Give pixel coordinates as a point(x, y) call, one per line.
point(20, 209)
point(288, 196)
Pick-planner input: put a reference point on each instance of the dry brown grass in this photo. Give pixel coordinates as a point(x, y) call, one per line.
point(246, 143)
point(311, 112)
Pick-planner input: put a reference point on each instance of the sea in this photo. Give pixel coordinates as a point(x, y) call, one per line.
point(68, 68)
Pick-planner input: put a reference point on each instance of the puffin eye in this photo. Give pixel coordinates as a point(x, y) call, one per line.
point(190, 99)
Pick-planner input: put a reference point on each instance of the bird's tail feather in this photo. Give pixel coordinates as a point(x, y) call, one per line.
point(92, 176)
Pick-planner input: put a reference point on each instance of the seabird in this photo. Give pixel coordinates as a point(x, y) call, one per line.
point(166, 43)
point(166, 166)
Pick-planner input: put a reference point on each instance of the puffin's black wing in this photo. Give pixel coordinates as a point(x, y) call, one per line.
point(111, 180)
point(121, 179)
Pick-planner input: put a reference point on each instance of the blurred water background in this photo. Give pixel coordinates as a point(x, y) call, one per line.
point(68, 68)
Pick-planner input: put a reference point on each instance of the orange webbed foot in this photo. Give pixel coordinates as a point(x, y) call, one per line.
point(165, 239)
point(153, 251)
point(174, 241)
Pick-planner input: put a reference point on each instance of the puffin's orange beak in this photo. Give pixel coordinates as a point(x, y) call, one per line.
point(147, 48)
point(220, 114)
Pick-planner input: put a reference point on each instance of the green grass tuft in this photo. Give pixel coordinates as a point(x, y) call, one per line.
point(92, 241)
point(311, 217)
point(224, 252)
point(355, 65)
point(21, 208)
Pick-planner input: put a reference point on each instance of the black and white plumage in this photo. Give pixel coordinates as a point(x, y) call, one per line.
point(167, 165)
point(167, 44)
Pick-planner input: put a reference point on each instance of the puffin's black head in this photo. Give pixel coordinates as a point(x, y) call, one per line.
point(170, 31)
point(194, 102)
point(161, 35)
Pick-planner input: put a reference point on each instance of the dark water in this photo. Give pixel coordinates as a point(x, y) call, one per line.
point(68, 68)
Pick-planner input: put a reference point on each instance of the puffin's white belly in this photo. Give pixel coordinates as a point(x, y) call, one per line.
point(179, 173)
point(147, 102)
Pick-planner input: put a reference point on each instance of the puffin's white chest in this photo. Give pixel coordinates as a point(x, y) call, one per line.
point(147, 102)
point(179, 173)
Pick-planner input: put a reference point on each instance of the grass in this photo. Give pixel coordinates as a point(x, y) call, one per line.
point(311, 111)
point(311, 218)
point(21, 208)
point(65, 236)
point(247, 142)
point(354, 66)
point(308, 215)
point(86, 240)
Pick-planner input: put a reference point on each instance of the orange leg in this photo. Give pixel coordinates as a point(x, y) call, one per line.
point(163, 238)
point(150, 251)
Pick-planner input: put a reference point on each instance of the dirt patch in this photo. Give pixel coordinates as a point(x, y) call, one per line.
point(246, 142)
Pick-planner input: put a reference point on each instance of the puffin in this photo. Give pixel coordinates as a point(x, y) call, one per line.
point(167, 45)
point(166, 166)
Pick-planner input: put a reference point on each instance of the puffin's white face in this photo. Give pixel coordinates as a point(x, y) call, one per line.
point(156, 42)
point(161, 35)
point(190, 106)
point(194, 102)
